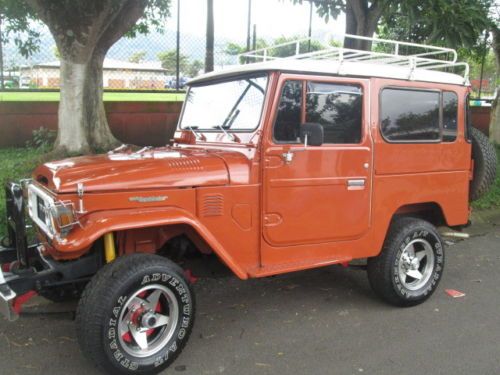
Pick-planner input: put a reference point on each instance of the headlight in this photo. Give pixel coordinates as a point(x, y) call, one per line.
point(52, 217)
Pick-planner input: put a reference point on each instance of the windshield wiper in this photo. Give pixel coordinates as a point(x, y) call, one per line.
point(229, 135)
point(231, 116)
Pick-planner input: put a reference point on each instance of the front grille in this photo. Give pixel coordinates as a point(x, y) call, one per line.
point(41, 209)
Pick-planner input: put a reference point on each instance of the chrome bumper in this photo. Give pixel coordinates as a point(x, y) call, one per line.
point(33, 271)
point(7, 296)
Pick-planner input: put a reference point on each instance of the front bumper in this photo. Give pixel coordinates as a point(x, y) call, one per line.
point(7, 297)
point(27, 268)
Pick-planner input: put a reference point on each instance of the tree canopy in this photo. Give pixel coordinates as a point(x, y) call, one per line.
point(83, 31)
point(451, 22)
point(169, 61)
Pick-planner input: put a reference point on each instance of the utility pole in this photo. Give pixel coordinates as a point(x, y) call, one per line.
point(249, 20)
point(482, 63)
point(310, 25)
point(254, 38)
point(178, 46)
point(2, 84)
point(209, 43)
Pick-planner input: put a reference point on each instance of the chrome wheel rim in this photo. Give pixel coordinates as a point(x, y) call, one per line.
point(416, 264)
point(148, 320)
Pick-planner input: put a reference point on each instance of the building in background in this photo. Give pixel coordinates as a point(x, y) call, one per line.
point(116, 75)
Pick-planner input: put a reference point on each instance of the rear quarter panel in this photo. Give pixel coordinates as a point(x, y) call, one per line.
point(409, 173)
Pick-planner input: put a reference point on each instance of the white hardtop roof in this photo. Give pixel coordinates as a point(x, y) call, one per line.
point(335, 68)
point(385, 59)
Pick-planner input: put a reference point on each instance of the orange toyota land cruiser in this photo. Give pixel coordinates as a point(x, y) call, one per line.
point(276, 166)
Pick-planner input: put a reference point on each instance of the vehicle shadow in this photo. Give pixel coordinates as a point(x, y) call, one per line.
point(227, 309)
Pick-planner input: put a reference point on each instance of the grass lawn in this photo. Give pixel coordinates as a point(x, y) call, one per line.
point(492, 199)
point(108, 96)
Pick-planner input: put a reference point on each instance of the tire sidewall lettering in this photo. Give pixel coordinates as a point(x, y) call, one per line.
point(436, 272)
point(184, 299)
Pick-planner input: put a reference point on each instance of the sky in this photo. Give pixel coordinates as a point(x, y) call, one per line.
point(272, 18)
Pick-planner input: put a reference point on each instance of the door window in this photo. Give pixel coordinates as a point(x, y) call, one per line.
point(287, 125)
point(338, 108)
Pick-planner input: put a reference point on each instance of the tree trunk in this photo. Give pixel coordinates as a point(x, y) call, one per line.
point(84, 31)
point(495, 119)
point(209, 51)
point(351, 26)
point(83, 126)
point(362, 19)
point(495, 107)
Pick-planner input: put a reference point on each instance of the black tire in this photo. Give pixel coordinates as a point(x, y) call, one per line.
point(110, 298)
point(485, 164)
point(391, 282)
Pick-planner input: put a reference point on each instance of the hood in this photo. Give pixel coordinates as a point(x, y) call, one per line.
point(157, 168)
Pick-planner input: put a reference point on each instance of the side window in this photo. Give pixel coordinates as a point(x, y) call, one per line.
point(338, 108)
point(287, 125)
point(450, 116)
point(409, 115)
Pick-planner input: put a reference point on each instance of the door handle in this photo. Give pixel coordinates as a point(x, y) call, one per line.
point(356, 184)
point(288, 156)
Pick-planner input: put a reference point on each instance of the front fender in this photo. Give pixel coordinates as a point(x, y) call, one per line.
point(97, 224)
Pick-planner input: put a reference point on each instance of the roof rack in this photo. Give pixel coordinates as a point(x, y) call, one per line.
point(412, 56)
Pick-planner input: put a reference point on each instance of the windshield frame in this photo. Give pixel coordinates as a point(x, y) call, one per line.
point(238, 77)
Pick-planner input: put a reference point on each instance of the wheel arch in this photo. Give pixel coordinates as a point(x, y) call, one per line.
point(429, 211)
point(176, 220)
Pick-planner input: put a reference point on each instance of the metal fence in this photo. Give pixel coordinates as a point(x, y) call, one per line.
point(158, 61)
point(165, 60)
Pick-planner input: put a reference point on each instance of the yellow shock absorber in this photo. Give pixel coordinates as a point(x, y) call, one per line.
point(109, 247)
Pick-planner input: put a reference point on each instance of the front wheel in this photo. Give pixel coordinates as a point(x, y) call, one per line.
point(409, 268)
point(136, 314)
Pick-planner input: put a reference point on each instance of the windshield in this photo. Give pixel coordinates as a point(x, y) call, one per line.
point(234, 105)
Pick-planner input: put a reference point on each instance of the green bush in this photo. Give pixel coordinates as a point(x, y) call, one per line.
point(17, 163)
point(43, 139)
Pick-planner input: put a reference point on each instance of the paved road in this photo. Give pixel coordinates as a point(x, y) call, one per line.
point(324, 321)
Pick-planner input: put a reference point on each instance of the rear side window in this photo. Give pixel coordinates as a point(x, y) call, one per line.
point(287, 125)
point(410, 115)
point(338, 108)
point(450, 116)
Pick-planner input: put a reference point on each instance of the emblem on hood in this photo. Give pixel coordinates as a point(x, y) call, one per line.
point(159, 198)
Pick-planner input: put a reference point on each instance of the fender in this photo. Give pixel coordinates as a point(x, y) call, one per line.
point(97, 224)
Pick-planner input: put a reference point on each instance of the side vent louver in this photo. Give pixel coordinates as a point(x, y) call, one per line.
point(212, 205)
point(186, 164)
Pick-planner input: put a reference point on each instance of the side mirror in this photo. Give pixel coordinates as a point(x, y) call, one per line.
point(311, 134)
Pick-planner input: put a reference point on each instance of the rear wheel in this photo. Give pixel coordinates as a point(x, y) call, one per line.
point(136, 314)
point(409, 268)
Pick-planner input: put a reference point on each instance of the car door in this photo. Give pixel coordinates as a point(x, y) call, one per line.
point(318, 194)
